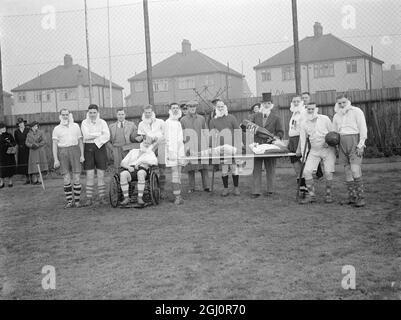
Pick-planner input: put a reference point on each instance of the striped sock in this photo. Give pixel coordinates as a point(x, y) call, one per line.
point(125, 188)
point(101, 190)
point(68, 192)
point(141, 187)
point(89, 191)
point(77, 192)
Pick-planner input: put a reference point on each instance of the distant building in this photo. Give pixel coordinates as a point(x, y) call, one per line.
point(181, 76)
point(392, 77)
point(66, 86)
point(8, 103)
point(327, 63)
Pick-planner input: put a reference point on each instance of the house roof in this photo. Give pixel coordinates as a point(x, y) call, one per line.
point(313, 49)
point(190, 63)
point(64, 77)
point(391, 78)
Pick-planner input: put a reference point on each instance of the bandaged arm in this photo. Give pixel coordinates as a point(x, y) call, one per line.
point(362, 128)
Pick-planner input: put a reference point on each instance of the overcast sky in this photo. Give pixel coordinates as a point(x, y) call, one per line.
point(240, 32)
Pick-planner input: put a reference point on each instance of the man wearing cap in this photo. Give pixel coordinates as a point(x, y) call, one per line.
point(95, 134)
point(314, 128)
point(20, 135)
point(223, 126)
point(184, 110)
point(194, 126)
point(68, 153)
point(122, 133)
point(152, 128)
point(350, 123)
point(271, 122)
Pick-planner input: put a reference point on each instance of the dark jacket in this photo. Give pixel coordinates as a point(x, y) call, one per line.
point(273, 124)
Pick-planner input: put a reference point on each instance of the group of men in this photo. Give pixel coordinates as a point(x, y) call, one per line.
point(174, 138)
point(307, 138)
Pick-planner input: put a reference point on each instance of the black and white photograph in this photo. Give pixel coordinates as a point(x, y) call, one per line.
point(200, 150)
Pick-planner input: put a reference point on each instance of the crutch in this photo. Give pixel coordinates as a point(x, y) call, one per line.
point(303, 161)
point(40, 176)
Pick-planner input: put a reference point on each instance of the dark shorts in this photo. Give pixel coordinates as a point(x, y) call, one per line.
point(292, 147)
point(69, 158)
point(95, 157)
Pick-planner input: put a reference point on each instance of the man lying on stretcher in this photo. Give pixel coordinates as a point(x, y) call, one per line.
point(137, 163)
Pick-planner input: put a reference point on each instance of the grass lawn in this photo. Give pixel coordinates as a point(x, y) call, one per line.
point(209, 248)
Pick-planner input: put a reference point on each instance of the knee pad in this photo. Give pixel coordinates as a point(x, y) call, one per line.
point(77, 178)
point(67, 179)
point(125, 176)
point(141, 175)
point(356, 171)
point(308, 174)
point(328, 175)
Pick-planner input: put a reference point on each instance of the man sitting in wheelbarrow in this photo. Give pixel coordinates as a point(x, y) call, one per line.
point(137, 163)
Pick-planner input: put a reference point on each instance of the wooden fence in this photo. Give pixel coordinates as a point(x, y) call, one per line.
point(382, 108)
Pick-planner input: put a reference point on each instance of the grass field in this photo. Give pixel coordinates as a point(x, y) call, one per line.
point(208, 248)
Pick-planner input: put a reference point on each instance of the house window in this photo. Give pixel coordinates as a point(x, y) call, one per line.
point(22, 97)
point(352, 66)
point(266, 75)
point(38, 96)
point(288, 73)
point(323, 70)
point(47, 97)
point(68, 94)
point(139, 86)
point(160, 85)
point(186, 83)
point(209, 81)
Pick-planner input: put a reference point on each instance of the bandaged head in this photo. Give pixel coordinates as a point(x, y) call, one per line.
point(66, 117)
point(175, 112)
point(343, 104)
point(221, 109)
point(311, 111)
point(297, 104)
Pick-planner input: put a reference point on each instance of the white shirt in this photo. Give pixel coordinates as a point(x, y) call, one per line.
point(154, 129)
point(295, 122)
point(135, 157)
point(174, 143)
point(97, 132)
point(352, 122)
point(67, 136)
point(316, 130)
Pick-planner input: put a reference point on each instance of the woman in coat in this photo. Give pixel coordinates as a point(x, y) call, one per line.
point(36, 142)
point(7, 156)
point(23, 151)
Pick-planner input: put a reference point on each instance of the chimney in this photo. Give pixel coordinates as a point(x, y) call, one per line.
point(67, 61)
point(186, 47)
point(317, 30)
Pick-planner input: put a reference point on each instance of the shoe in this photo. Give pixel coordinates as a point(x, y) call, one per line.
point(78, 204)
point(69, 205)
point(308, 199)
point(254, 196)
point(360, 203)
point(125, 202)
point(88, 203)
point(140, 201)
point(10, 185)
point(178, 200)
point(206, 190)
point(103, 201)
point(328, 198)
point(225, 192)
point(237, 192)
point(191, 190)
